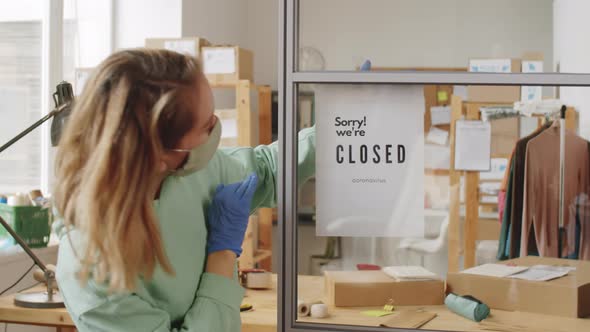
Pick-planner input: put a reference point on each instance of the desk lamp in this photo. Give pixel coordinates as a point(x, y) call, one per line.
point(50, 298)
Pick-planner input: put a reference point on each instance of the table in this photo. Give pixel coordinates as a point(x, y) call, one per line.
point(264, 316)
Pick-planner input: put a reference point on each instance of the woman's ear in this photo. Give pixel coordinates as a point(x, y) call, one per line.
point(163, 166)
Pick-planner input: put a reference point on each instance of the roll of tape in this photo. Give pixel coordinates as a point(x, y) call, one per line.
point(259, 280)
point(319, 310)
point(302, 309)
point(467, 308)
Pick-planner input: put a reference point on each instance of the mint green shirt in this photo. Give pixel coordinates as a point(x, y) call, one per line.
point(192, 300)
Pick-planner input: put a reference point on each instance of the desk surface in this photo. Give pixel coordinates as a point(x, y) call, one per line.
point(264, 316)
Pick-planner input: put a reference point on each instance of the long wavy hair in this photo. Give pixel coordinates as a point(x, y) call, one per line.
point(107, 163)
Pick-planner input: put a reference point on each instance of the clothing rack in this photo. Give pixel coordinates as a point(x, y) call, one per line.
point(465, 246)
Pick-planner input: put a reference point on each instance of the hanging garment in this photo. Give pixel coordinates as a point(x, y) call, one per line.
point(503, 188)
point(541, 191)
point(515, 218)
point(506, 215)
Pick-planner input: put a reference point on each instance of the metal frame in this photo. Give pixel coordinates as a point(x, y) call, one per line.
point(289, 78)
point(52, 73)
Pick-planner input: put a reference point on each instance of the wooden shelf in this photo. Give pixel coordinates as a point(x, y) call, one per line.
point(261, 255)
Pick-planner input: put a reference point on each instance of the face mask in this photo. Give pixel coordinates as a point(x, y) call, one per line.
point(200, 156)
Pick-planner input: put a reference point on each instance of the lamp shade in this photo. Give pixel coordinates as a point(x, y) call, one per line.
point(64, 95)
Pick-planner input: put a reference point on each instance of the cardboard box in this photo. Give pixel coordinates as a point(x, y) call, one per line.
point(532, 93)
point(494, 94)
point(375, 288)
point(227, 64)
point(186, 45)
point(568, 296)
point(229, 123)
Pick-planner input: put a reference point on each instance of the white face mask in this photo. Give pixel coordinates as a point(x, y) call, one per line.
point(200, 156)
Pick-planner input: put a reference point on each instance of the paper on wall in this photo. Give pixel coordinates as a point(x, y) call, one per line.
point(440, 115)
point(437, 136)
point(437, 157)
point(219, 60)
point(460, 91)
point(497, 170)
point(369, 160)
point(473, 145)
point(495, 270)
point(181, 46)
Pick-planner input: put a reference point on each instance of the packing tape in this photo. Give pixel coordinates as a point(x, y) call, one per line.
point(302, 309)
point(319, 310)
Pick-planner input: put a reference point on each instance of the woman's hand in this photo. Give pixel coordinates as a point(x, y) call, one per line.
point(228, 215)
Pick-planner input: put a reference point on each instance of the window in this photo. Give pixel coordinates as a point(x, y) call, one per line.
point(30, 33)
point(20, 92)
point(424, 213)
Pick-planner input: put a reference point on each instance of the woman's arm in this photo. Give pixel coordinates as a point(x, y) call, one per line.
point(216, 306)
point(263, 159)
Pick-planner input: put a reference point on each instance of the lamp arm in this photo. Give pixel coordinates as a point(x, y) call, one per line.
point(32, 127)
point(23, 245)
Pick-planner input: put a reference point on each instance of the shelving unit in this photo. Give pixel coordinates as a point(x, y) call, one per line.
point(257, 245)
point(475, 227)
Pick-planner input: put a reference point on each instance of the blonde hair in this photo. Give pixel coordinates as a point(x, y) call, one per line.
point(108, 159)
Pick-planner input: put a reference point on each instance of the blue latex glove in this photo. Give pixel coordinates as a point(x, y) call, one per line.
point(228, 215)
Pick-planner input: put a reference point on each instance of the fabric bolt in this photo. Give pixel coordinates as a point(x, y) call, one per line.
point(541, 192)
point(190, 300)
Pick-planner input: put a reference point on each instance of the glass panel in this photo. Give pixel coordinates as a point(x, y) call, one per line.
point(20, 89)
point(413, 184)
point(437, 35)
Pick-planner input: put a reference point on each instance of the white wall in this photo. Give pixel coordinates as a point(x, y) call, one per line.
point(262, 38)
point(93, 23)
point(404, 33)
point(432, 33)
point(136, 20)
point(220, 21)
point(572, 53)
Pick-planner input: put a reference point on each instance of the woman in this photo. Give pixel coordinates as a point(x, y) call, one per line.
point(137, 168)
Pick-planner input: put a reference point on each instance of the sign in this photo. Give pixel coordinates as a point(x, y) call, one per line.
point(370, 161)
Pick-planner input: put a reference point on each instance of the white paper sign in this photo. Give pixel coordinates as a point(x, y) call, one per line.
point(219, 60)
point(440, 115)
point(181, 46)
point(473, 145)
point(370, 161)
